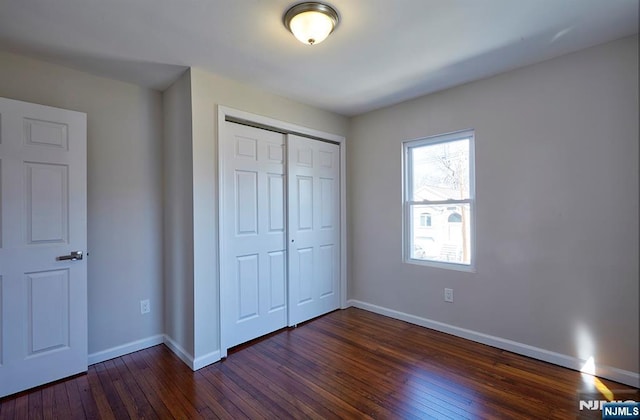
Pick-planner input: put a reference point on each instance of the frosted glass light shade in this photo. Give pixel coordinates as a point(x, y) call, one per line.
point(311, 27)
point(311, 23)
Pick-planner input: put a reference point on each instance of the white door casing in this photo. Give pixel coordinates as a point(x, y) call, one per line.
point(313, 227)
point(253, 248)
point(43, 300)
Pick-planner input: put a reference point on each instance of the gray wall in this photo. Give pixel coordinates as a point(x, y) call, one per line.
point(124, 133)
point(178, 214)
point(557, 206)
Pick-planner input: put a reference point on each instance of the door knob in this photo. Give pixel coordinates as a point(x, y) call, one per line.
point(74, 256)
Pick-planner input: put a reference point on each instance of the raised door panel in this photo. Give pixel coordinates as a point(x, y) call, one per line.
point(304, 203)
point(248, 305)
point(246, 198)
point(305, 275)
point(327, 194)
point(246, 148)
point(47, 193)
point(275, 196)
point(326, 262)
point(45, 134)
point(277, 281)
point(49, 310)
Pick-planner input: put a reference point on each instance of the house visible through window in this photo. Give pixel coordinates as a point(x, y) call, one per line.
point(439, 200)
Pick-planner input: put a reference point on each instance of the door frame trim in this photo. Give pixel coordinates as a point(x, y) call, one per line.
point(225, 113)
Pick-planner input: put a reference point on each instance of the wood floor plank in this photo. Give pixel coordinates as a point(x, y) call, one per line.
point(139, 403)
point(35, 405)
point(109, 388)
point(134, 401)
point(347, 364)
point(85, 393)
point(257, 373)
point(333, 365)
point(296, 390)
point(48, 409)
point(167, 391)
point(21, 409)
point(222, 384)
point(7, 408)
point(197, 397)
point(223, 407)
point(310, 373)
point(61, 400)
point(151, 395)
point(75, 400)
point(395, 400)
point(101, 400)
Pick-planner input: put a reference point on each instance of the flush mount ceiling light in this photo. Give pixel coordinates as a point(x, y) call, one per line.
point(311, 22)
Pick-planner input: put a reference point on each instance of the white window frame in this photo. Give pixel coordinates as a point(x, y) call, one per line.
point(408, 193)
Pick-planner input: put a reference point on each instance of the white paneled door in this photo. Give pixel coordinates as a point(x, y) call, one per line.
point(43, 275)
point(253, 248)
point(313, 228)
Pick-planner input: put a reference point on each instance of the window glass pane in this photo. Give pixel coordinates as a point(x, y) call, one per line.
point(440, 171)
point(448, 236)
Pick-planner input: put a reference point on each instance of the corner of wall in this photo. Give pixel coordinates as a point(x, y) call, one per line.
point(178, 214)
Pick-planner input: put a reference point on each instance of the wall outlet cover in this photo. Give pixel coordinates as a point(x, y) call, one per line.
point(448, 295)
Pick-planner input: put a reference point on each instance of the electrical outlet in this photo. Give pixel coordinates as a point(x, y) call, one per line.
point(145, 306)
point(448, 295)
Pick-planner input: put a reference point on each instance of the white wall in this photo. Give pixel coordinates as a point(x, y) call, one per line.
point(192, 316)
point(124, 191)
point(557, 207)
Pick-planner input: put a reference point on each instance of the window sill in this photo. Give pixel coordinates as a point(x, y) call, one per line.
point(443, 265)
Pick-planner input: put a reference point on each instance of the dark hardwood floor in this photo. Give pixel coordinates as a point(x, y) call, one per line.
point(347, 364)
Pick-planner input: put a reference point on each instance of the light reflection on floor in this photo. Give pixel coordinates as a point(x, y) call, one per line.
point(591, 381)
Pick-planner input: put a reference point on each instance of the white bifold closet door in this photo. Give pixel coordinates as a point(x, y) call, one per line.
point(313, 228)
point(253, 249)
point(280, 231)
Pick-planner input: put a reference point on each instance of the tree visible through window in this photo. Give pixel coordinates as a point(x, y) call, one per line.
point(439, 199)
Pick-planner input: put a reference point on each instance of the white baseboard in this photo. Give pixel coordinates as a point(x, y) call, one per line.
point(182, 354)
point(131, 347)
point(187, 357)
point(206, 360)
point(608, 372)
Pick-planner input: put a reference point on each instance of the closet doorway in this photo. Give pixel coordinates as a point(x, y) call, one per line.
point(281, 239)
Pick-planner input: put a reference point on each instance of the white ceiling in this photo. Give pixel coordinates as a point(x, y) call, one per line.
point(383, 52)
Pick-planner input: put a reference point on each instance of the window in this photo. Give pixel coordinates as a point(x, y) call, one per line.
point(439, 199)
point(455, 218)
